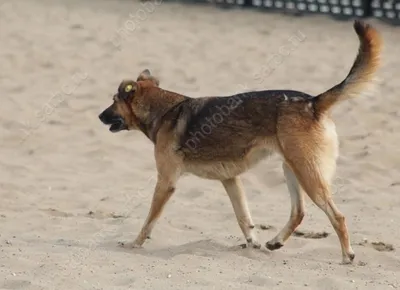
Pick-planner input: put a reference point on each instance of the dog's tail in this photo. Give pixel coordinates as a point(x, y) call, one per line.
point(361, 73)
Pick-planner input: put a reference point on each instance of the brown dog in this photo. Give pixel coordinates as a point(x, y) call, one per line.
point(222, 137)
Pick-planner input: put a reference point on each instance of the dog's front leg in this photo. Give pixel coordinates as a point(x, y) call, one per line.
point(234, 188)
point(162, 193)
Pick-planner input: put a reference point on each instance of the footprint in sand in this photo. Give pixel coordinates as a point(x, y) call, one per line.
point(56, 212)
point(378, 246)
point(310, 235)
point(103, 215)
point(382, 247)
point(298, 233)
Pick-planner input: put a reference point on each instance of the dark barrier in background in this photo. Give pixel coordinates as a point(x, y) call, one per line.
point(388, 11)
point(384, 10)
point(340, 9)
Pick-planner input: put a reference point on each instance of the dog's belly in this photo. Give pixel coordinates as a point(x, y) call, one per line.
point(227, 169)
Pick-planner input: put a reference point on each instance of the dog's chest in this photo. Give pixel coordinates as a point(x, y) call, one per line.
point(227, 169)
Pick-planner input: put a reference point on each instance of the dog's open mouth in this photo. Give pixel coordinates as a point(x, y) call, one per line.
point(116, 127)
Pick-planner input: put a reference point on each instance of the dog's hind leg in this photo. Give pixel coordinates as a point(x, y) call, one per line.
point(312, 157)
point(317, 187)
point(234, 188)
point(296, 212)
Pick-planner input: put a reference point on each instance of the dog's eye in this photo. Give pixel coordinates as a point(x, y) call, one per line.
point(128, 88)
point(126, 91)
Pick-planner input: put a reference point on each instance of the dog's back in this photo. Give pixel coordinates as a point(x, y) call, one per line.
point(226, 128)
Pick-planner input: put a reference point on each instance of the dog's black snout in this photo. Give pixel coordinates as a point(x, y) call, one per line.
point(102, 117)
point(107, 116)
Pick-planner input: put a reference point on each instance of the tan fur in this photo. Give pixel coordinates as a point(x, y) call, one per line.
point(222, 137)
point(362, 72)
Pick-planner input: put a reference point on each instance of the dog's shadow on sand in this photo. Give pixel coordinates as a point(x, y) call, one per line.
point(203, 248)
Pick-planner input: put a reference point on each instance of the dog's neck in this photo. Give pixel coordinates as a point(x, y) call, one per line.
point(156, 103)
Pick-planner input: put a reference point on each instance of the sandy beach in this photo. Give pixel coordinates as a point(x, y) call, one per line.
point(70, 190)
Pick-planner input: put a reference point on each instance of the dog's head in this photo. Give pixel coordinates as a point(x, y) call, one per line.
point(121, 114)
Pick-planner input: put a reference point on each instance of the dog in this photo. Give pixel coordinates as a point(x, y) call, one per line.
point(221, 137)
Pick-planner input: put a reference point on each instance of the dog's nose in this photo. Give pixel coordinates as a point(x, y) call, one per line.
point(101, 117)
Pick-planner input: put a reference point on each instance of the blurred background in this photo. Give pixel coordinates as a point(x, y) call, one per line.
point(70, 190)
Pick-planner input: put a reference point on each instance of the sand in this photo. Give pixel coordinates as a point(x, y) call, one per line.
point(70, 190)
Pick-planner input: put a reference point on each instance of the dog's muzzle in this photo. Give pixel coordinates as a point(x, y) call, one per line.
point(116, 122)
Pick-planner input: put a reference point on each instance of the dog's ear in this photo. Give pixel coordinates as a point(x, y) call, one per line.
point(146, 76)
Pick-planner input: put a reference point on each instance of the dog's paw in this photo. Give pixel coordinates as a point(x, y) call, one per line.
point(273, 245)
point(251, 243)
point(347, 260)
point(129, 245)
